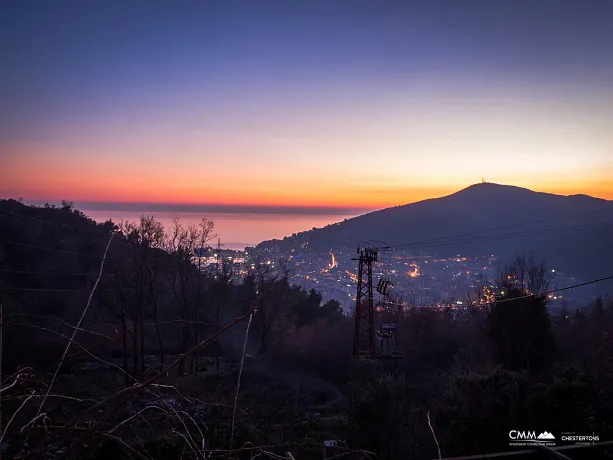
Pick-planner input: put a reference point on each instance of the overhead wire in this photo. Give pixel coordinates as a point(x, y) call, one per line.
point(506, 227)
point(26, 272)
point(446, 241)
point(45, 248)
point(42, 273)
point(66, 251)
point(435, 242)
point(541, 294)
point(551, 291)
point(61, 224)
point(384, 247)
point(5, 288)
point(439, 241)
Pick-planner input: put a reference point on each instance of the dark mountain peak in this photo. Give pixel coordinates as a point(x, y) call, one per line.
point(581, 197)
point(492, 191)
point(485, 186)
point(489, 189)
point(572, 233)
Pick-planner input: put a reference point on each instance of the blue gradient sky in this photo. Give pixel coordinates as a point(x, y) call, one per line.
point(336, 104)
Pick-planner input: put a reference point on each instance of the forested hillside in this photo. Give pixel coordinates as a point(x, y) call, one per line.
point(118, 343)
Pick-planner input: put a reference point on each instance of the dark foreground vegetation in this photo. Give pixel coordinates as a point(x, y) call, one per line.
point(141, 370)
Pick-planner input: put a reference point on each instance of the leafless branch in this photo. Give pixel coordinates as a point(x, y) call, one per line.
point(134, 390)
point(62, 322)
point(144, 409)
point(6, 429)
point(31, 422)
point(71, 398)
point(434, 435)
point(74, 332)
point(238, 383)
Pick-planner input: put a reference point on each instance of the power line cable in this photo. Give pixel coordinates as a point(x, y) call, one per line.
point(436, 242)
point(3, 288)
point(441, 243)
point(25, 272)
point(552, 291)
point(497, 228)
point(61, 224)
point(66, 251)
point(523, 234)
point(544, 293)
point(44, 248)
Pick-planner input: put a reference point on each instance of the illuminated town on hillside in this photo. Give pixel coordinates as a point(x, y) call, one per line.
point(418, 281)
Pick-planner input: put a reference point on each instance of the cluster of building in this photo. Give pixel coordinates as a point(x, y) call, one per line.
point(417, 280)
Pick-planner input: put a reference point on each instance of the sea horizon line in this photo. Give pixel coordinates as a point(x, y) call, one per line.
point(128, 206)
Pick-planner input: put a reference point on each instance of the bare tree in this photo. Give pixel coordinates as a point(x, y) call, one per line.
point(221, 292)
point(205, 234)
point(268, 309)
point(144, 238)
point(181, 244)
point(526, 274)
point(118, 306)
point(517, 319)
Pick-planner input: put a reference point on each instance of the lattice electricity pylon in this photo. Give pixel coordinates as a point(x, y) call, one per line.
point(364, 333)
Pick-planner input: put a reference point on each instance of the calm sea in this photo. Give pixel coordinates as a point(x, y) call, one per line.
point(236, 230)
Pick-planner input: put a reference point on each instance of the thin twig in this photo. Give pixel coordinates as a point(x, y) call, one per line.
point(135, 415)
point(365, 453)
point(192, 441)
point(133, 391)
point(129, 448)
point(78, 326)
point(8, 387)
point(31, 422)
point(51, 318)
point(187, 443)
point(71, 341)
point(238, 384)
point(71, 398)
point(6, 429)
point(434, 435)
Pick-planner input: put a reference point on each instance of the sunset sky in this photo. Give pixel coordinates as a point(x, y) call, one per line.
point(303, 103)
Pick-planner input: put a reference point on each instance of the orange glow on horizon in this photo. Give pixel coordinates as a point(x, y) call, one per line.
point(94, 176)
point(54, 186)
point(354, 198)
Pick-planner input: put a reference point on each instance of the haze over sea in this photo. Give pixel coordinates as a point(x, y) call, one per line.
point(236, 229)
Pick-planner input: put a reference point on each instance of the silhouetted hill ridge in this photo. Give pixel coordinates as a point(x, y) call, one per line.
point(508, 220)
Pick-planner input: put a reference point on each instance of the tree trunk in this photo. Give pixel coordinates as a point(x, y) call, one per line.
point(263, 344)
point(143, 366)
point(217, 323)
point(157, 331)
point(124, 341)
point(182, 350)
point(134, 347)
point(196, 357)
point(193, 365)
